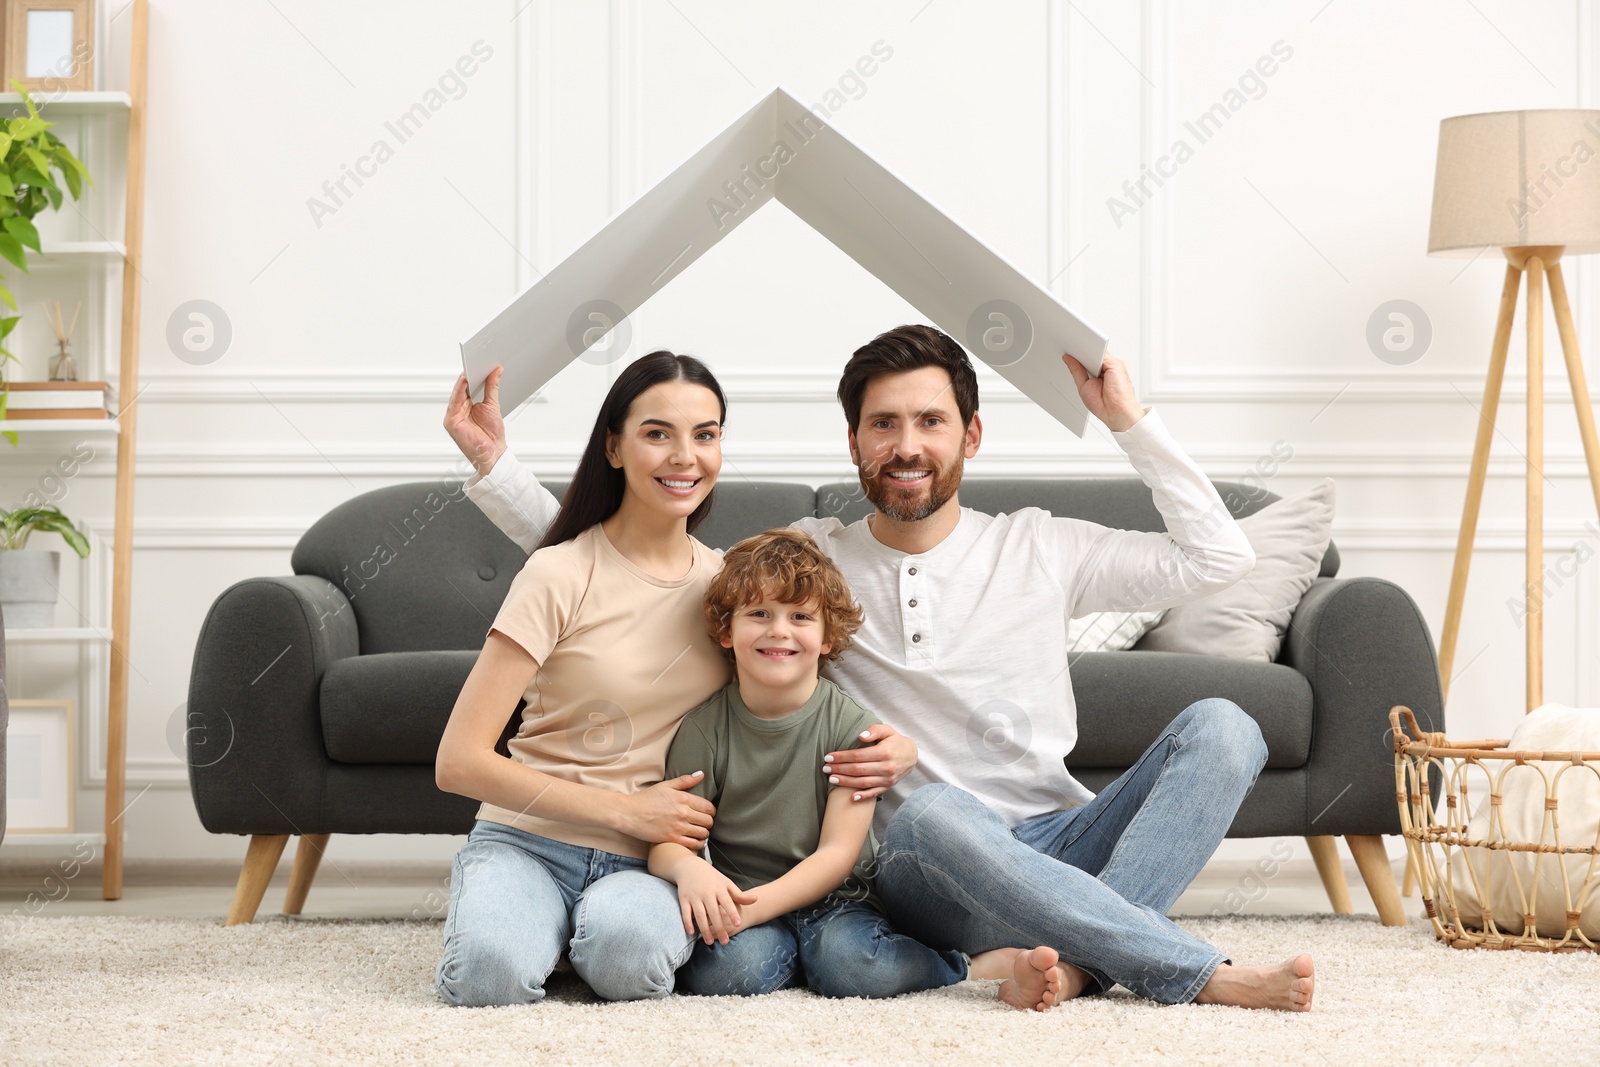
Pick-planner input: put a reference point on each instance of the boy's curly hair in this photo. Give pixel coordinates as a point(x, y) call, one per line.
point(786, 565)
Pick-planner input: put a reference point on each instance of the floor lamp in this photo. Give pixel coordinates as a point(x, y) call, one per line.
point(1526, 183)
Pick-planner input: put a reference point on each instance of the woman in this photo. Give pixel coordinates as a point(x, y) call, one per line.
point(602, 633)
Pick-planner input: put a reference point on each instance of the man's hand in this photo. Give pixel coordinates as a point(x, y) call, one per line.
point(870, 770)
point(710, 902)
point(477, 428)
point(1110, 397)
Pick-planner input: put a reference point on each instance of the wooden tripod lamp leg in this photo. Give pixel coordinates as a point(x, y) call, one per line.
point(1580, 385)
point(1475, 480)
point(1535, 478)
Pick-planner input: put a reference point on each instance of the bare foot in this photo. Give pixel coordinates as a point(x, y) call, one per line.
point(1021, 970)
point(1035, 980)
point(1073, 981)
point(1286, 987)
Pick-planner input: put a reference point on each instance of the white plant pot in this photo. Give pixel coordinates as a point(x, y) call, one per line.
point(30, 580)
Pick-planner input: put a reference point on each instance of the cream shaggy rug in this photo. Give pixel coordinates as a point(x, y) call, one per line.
point(294, 991)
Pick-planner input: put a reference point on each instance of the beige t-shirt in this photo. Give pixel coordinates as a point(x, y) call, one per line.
point(623, 656)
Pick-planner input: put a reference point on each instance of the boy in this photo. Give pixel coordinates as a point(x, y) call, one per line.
point(787, 897)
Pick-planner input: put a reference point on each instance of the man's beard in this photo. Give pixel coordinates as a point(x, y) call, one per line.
point(901, 505)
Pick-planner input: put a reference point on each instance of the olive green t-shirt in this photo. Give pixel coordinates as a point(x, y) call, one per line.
point(765, 777)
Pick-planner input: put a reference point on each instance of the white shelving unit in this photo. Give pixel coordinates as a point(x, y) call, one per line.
point(99, 116)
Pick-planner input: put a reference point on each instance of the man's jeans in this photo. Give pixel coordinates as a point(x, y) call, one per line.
point(846, 949)
point(1094, 882)
point(518, 900)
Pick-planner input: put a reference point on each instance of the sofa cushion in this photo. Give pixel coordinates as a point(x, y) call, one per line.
point(1248, 619)
point(1125, 700)
point(391, 707)
point(1110, 631)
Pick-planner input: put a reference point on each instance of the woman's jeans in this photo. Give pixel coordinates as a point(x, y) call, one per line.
point(845, 949)
point(518, 900)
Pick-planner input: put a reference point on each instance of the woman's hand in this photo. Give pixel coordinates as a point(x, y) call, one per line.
point(668, 813)
point(872, 769)
point(477, 429)
point(710, 902)
point(1108, 396)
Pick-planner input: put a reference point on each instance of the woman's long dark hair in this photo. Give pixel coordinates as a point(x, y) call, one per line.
point(596, 490)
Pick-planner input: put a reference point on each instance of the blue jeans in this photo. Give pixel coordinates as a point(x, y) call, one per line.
point(1094, 882)
point(518, 900)
point(846, 949)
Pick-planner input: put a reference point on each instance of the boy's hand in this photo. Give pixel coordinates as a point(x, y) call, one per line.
point(710, 902)
point(885, 757)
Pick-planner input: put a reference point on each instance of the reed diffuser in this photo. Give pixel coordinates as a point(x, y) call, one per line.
point(62, 366)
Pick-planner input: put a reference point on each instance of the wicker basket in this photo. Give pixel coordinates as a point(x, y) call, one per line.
point(1453, 865)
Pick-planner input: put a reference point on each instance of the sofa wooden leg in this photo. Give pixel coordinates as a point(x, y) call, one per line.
point(260, 860)
point(1325, 853)
point(306, 857)
point(1379, 876)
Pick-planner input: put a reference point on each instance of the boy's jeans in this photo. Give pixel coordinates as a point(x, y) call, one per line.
point(846, 949)
point(518, 900)
point(1094, 882)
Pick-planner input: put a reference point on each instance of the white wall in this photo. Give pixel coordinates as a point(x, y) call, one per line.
point(1239, 292)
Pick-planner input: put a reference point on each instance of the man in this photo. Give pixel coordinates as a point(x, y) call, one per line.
point(966, 620)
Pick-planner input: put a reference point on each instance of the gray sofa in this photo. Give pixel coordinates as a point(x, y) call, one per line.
point(317, 700)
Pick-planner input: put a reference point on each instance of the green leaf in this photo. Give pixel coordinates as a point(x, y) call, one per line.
point(74, 163)
point(26, 98)
point(49, 519)
point(5, 144)
point(32, 177)
point(69, 533)
point(5, 294)
point(74, 186)
point(24, 231)
point(23, 129)
point(55, 196)
point(40, 163)
point(8, 324)
point(7, 190)
point(11, 248)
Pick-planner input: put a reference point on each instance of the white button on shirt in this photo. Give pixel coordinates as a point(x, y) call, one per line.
point(964, 646)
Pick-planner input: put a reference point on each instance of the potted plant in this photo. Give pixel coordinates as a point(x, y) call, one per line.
point(29, 156)
point(30, 579)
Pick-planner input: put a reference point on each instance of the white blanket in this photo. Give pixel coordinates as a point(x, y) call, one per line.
point(1513, 880)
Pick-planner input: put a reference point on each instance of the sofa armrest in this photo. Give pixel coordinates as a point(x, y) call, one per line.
point(1364, 647)
point(254, 745)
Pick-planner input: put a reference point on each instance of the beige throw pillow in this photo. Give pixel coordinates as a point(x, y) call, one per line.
point(1248, 619)
point(1109, 631)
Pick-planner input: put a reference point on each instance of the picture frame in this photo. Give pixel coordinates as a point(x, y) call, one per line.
point(49, 45)
point(41, 788)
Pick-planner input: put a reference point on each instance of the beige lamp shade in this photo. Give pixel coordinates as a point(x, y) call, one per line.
point(1516, 178)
